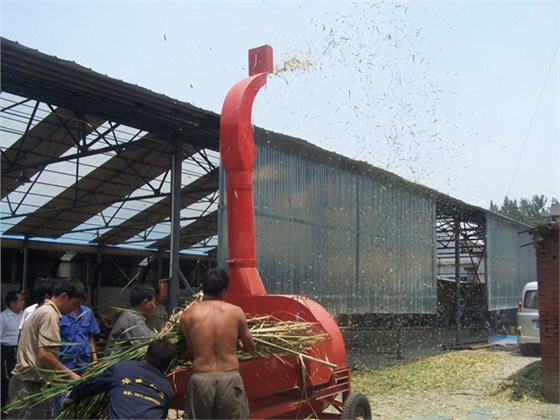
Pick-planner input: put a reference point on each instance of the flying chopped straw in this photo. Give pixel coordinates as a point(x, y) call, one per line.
point(272, 335)
point(292, 64)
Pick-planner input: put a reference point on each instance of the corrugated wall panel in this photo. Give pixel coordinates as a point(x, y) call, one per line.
point(349, 242)
point(397, 258)
point(511, 261)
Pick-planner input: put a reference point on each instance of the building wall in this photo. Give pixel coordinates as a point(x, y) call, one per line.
point(510, 261)
point(546, 244)
point(353, 242)
point(358, 239)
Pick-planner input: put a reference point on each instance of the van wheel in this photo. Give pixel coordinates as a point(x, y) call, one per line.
point(533, 350)
point(356, 406)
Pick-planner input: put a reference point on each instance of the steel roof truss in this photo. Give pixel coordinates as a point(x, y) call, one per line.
point(25, 134)
point(25, 195)
point(204, 154)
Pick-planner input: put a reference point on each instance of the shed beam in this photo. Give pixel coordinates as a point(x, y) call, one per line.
point(176, 162)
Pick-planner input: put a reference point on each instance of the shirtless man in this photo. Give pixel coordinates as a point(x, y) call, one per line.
point(212, 330)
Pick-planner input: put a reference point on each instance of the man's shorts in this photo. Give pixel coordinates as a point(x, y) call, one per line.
point(216, 395)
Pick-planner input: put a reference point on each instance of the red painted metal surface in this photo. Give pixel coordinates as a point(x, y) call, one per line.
point(237, 149)
point(285, 387)
point(277, 389)
point(260, 60)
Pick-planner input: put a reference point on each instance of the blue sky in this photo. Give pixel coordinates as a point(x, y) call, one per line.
point(440, 93)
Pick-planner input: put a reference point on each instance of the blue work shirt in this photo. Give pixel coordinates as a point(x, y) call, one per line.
point(77, 330)
point(137, 390)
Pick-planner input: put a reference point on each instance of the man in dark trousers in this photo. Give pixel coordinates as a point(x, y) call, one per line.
point(137, 390)
point(212, 329)
point(9, 332)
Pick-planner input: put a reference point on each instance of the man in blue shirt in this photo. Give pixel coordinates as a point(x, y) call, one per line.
point(78, 327)
point(137, 390)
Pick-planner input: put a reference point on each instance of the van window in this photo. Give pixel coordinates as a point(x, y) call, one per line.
point(531, 300)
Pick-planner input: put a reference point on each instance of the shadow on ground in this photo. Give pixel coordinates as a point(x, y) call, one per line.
point(378, 348)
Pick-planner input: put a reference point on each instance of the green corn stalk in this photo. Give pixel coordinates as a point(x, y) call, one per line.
point(273, 337)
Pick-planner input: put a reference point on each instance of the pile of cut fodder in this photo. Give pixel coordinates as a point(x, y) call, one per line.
point(273, 337)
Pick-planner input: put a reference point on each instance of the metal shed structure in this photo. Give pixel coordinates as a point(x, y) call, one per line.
point(359, 239)
point(95, 165)
point(87, 159)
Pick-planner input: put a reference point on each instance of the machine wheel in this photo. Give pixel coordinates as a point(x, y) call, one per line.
point(356, 406)
point(475, 330)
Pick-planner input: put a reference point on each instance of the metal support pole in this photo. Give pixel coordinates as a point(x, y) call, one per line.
point(176, 165)
point(14, 266)
point(457, 229)
point(357, 256)
point(88, 279)
point(24, 282)
point(98, 280)
point(159, 266)
point(399, 336)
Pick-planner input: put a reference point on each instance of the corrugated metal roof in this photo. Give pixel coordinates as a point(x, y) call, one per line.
point(88, 158)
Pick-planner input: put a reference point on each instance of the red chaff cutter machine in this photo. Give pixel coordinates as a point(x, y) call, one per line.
point(282, 386)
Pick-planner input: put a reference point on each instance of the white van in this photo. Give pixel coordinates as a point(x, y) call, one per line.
point(528, 323)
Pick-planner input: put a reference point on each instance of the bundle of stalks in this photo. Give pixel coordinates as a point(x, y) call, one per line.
point(272, 336)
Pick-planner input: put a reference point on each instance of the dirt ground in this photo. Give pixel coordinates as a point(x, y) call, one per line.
point(372, 350)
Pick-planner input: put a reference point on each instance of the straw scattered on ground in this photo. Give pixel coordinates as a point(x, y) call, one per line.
point(447, 372)
point(522, 386)
point(491, 383)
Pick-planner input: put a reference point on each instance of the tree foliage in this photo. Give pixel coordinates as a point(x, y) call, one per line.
point(532, 211)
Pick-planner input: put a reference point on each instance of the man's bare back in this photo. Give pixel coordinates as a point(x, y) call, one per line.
point(212, 329)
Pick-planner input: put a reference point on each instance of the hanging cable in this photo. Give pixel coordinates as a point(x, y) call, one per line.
point(532, 119)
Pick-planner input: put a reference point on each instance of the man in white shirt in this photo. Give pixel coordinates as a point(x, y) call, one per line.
point(9, 330)
point(42, 290)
